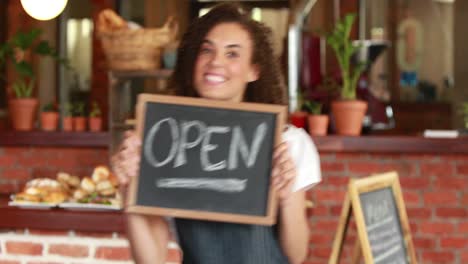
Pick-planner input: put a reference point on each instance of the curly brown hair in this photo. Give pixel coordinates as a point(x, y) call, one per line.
point(269, 88)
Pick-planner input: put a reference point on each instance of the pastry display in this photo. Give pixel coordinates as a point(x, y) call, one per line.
point(100, 188)
point(42, 190)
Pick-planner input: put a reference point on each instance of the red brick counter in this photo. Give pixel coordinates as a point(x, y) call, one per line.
point(434, 178)
point(433, 174)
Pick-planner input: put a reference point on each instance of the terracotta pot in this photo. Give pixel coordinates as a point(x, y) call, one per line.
point(23, 113)
point(79, 123)
point(348, 116)
point(95, 124)
point(318, 124)
point(67, 123)
point(298, 119)
point(49, 121)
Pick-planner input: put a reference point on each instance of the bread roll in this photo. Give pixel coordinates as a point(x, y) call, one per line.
point(68, 181)
point(45, 184)
point(105, 188)
point(100, 173)
point(34, 191)
point(74, 181)
point(79, 194)
point(114, 180)
point(24, 197)
point(88, 185)
point(55, 197)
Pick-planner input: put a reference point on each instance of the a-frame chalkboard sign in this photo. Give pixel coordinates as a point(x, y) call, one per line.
point(378, 207)
point(206, 159)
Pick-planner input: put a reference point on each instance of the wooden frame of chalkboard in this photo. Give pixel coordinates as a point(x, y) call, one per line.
point(178, 190)
point(382, 224)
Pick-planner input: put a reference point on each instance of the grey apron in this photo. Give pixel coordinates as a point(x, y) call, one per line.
point(205, 242)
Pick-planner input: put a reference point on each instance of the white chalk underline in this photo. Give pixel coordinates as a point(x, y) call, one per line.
point(228, 185)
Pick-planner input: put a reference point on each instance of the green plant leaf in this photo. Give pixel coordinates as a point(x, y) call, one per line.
point(79, 109)
point(339, 40)
point(68, 109)
point(24, 69)
point(95, 110)
point(43, 48)
point(24, 40)
point(313, 107)
point(49, 107)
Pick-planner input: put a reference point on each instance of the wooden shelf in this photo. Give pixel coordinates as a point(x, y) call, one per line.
point(392, 144)
point(333, 143)
point(160, 73)
point(60, 219)
point(55, 139)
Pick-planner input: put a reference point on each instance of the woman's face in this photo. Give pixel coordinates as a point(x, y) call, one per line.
point(223, 66)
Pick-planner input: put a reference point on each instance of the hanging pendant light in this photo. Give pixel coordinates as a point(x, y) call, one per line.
point(44, 9)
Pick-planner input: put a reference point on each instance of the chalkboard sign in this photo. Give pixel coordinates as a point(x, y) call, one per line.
point(382, 224)
point(206, 159)
point(383, 228)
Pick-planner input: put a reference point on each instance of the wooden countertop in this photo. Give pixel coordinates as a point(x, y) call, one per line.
point(392, 144)
point(54, 139)
point(332, 143)
point(60, 219)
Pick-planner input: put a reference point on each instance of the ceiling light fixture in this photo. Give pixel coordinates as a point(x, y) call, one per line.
point(44, 9)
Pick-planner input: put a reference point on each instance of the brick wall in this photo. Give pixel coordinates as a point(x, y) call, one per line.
point(435, 189)
point(20, 164)
point(35, 247)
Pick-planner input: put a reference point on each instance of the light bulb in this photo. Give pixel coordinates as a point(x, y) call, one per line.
point(44, 9)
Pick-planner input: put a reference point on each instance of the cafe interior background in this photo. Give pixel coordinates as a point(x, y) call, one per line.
point(415, 80)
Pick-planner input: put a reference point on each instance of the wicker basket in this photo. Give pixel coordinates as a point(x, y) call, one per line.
point(133, 49)
point(138, 49)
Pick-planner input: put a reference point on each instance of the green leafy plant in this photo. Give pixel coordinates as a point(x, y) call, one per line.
point(342, 45)
point(67, 109)
point(14, 51)
point(95, 110)
point(79, 109)
point(312, 107)
point(463, 110)
point(50, 107)
point(23, 89)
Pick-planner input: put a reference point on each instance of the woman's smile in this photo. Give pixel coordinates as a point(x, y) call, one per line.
point(214, 79)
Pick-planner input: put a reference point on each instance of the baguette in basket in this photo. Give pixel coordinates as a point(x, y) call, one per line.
point(133, 49)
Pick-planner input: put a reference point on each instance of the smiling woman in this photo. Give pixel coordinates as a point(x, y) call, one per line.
point(223, 66)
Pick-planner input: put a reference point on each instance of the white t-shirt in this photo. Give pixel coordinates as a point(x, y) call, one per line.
point(305, 156)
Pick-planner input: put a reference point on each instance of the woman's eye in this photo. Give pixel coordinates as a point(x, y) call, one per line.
point(232, 54)
point(205, 50)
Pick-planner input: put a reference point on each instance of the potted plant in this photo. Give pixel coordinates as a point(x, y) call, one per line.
point(298, 118)
point(67, 120)
point(317, 122)
point(348, 112)
point(23, 107)
point(17, 52)
point(79, 118)
point(49, 117)
point(464, 113)
point(95, 118)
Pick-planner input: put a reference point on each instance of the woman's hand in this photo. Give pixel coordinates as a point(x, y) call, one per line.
point(284, 172)
point(126, 162)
